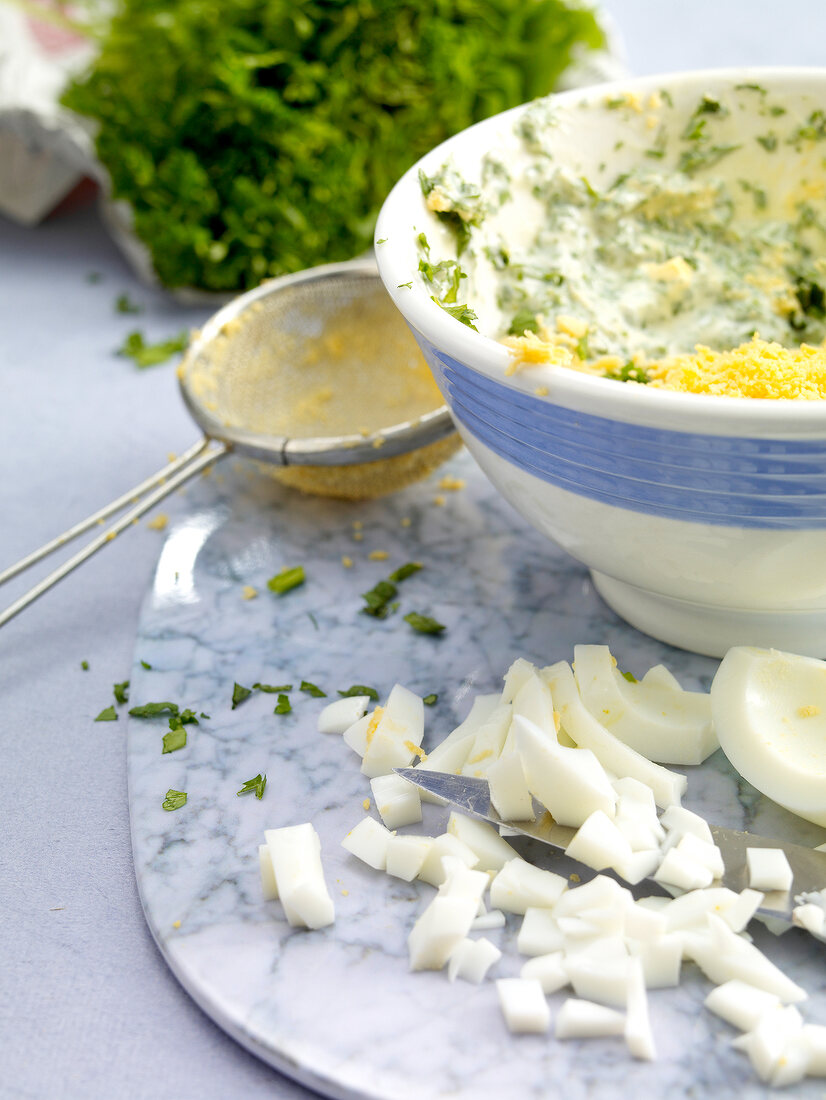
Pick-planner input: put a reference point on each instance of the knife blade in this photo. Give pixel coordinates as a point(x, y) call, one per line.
point(471, 796)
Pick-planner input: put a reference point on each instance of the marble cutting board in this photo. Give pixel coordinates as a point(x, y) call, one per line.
point(337, 1009)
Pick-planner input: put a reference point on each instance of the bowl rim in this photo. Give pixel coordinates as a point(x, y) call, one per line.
point(665, 408)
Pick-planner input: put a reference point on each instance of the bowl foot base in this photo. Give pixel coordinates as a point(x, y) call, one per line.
point(701, 628)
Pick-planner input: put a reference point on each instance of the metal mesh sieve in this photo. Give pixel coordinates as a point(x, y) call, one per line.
point(316, 375)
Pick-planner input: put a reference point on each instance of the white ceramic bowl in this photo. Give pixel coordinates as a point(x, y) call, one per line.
point(701, 518)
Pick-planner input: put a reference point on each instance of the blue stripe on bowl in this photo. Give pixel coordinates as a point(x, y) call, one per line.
point(724, 480)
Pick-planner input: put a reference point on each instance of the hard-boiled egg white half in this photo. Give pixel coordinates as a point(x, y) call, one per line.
point(769, 711)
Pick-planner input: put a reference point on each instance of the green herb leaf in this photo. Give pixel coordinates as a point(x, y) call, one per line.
point(174, 799)
point(174, 740)
point(266, 162)
point(630, 677)
point(430, 700)
point(423, 624)
point(121, 692)
point(257, 784)
point(405, 571)
point(124, 304)
point(149, 355)
point(312, 689)
point(204, 715)
point(283, 705)
point(239, 694)
point(187, 717)
point(768, 141)
point(359, 689)
point(84, 665)
point(286, 580)
point(273, 689)
point(524, 320)
point(146, 664)
point(462, 313)
point(108, 714)
point(628, 372)
point(378, 598)
point(152, 710)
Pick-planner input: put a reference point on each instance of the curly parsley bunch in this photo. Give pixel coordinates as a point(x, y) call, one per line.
point(257, 137)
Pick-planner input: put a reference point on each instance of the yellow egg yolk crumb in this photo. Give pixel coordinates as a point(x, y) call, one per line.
point(808, 711)
point(158, 522)
point(248, 592)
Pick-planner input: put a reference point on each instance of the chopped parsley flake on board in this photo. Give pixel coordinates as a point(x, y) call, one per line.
point(239, 694)
point(360, 689)
point(150, 355)
point(121, 692)
point(108, 714)
point(424, 624)
point(312, 689)
point(152, 710)
point(174, 799)
point(286, 580)
point(431, 699)
point(378, 598)
point(175, 739)
point(124, 304)
point(283, 705)
point(272, 689)
point(257, 784)
point(84, 665)
point(405, 571)
point(146, 665)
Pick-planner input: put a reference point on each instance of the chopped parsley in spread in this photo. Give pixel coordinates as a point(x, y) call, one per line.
point(695, 262)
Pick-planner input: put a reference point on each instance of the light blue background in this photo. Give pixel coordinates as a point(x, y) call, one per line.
point(87, 1006)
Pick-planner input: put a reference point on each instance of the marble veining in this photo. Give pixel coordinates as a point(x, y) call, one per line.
point(337, 1008)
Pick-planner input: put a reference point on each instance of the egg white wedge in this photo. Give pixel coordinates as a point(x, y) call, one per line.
point(661, 721)
point(769, 711)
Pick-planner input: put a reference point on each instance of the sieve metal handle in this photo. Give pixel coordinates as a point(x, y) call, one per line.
point(161, 484)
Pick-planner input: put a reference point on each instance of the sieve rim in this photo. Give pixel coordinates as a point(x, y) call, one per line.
point(283, 450)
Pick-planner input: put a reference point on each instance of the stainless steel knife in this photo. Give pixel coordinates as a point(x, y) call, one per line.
point(472, 797)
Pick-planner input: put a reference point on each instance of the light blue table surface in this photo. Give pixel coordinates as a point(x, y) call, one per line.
point(87, 1006)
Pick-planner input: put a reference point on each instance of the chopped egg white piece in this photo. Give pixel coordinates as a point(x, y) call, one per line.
point(488, 741)
point(509, 793)
point(483, 840)
point(661, 958)
point(598, 843)
point(520, 885)
point(432, 870)
point(768, 869)
point(393, 739)
point(769, 710)
point(597, 979)
point(638, 1037)
point(472, 959)
point(810, 916)
point(397, 800)
point(740, 1004)
point(540, 933)
point(355, 736)
point(368, 841)
point(269, 887)
point(406, 855)
point(588, 733)
point(680, 870)
point(337, 717)
point(295, 852)
point(769, 1039)
point(549, 970)
point(523, 1004)
point(578, 1019)
point(570, 783)
point(654, 715)
point(722, 955)
point(440, 929)
point(486, 922)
